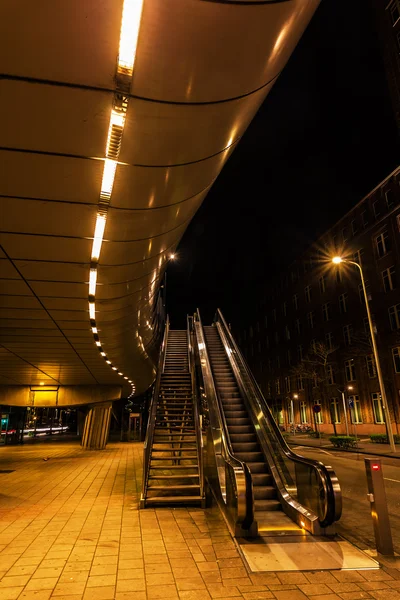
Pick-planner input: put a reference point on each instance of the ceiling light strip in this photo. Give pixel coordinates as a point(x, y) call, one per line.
point(131, 16)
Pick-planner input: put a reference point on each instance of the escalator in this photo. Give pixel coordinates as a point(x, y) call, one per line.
point(261, 485)
point(172, 452)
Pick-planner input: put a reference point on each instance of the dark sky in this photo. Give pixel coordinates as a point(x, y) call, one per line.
point(323, 138)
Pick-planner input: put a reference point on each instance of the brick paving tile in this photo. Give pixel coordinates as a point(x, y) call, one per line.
point(78, 534)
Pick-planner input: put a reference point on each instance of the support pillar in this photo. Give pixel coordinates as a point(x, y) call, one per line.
point(97, 426)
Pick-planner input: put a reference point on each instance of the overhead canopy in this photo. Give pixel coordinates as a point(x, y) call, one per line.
point(202, 69)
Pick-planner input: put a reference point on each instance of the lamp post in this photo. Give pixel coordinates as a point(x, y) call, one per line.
point(294, 397)
point(337, 260)
point(349, 387)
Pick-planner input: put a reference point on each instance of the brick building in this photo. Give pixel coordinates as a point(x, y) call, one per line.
point(308, 342)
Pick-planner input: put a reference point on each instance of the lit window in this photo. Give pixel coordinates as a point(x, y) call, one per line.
point(350, 369)
point(295, 302)
point(278, 386)
point(329, 340)
point(300, 383)
point(307, 292)
point(298, 326)
point(355, 410)
point(335, 411)
point(377, 406)
point(310, 319)
point(382, 244)
point(303, 411)
point(287, 384)
point(389, 279)
point(330, 375)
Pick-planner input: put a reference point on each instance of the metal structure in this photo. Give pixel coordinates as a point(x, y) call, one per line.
point(118, 116)
point(379, 508)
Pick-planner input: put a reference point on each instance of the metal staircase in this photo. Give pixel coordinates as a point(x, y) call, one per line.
point(173, 475)
point(243, 438)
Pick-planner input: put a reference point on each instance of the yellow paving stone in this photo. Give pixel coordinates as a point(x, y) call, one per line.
point(158, 568)
point(159, 579)
point(130, 585)
point(159, 593)
point(77, 566)
point(69, 589)
point(43, 573)
point(105, 560)
point(42, 584)
point(101, 580)
point(10, 593)
point(98, 593)
point(103, 569)
point(217, 590)
point(130, 574)
point(73, 576)
point(130, 596)
point(35, 595)
point(15, 580)
point(194, 595)
point(23, 570)
point(190, 583)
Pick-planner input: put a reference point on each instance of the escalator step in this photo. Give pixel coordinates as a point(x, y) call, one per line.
point(258, 467)
point(265, 492)
point(262, 479)
point(267, 505)
point(240, 429)
point(238, 438)
point(173, 500)
point(241, 422)
point(246, 446)
point(250, 457)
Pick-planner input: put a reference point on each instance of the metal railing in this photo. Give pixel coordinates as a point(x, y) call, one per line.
point(308, 490)
point(148, 442)
point(228, 478)
point(196, 402)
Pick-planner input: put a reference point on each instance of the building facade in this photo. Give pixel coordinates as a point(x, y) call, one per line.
point(308, 342)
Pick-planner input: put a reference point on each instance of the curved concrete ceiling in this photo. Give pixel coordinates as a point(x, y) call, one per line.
point(202, 68)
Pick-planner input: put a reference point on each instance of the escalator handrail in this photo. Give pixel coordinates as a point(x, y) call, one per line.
point(148, 442)
point(333, 506)
point(196, 411)
point(247, 516)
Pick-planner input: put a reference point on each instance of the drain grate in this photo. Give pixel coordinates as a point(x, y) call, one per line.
point(7, 471)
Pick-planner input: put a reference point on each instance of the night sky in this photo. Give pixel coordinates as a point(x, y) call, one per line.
point(323, 138)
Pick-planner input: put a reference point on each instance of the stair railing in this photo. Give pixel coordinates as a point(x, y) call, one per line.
point(227, 477)
point(151, 424)
point(196, 402)
point(309, 491)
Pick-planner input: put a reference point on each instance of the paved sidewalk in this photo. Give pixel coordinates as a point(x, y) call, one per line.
point(70, 528)
point(364, 446)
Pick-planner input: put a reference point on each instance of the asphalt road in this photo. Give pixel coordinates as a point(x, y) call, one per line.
point(356, 522)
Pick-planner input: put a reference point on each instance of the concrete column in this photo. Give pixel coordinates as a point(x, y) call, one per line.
point(97, 426)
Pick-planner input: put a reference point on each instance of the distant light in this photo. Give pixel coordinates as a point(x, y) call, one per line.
point(302, 524)
point(108, 362)
point(114, 368)
point(125, 377)
point(172, 256)
point(131, 15)
point(295, 396)
point(103, 353)
point(92, 310)
point(98, 343)
point(94, 330)
point(337, 260)
point(108, 178)
point(41, 382)
point(119, 373)
point(350, 387)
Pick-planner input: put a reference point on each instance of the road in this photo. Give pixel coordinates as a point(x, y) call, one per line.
point(356, 522)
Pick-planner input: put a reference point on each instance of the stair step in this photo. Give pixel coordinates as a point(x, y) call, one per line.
point(175, 487)
point(267, 505)
point(173, 500)
point(169, 467)
point(249, 457)
point(264, 492)
point(174, 477)
point(188, 457)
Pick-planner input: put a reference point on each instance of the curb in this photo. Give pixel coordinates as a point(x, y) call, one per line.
point(359, 451)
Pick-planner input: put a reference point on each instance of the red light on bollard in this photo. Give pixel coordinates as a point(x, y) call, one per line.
point(375, 467)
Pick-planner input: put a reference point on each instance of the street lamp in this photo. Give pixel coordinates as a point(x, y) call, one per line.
point(337, 260)
point(349, 387)
point(294, 397)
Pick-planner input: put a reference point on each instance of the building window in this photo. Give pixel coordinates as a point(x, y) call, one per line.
point(335, 410)
point(268, 390)
point(307, 292)
point(330, 375)
point(356, 415)
point(371, 367)
point(258, 326)
point(310, 319)
point(278, 386)
point(350, 369)
point(267, 342)
point(396, 359)
point(354, 227)
point(295, 302)
point(274, 314)
point(266, 322)
point(347, 334)
point(326, 311)
point(250, 331)
point(287, 333)
point(300, 383)
point(303, 411)
point(345, 234)
point(289, 358)
point(329, 340)
point(322, 284)
point(276, 337)
point(376, 209)
point(394, 316)
point(343, 303)
point(339, 276)
point(298, 326)
point(300, 352)
point(287, 384)
point(389, 279)
point(318, 416)
point(382, 244)
point(389, 197)
point(377, 406)
point(284, 308)
point(358, 256)
point(278, 362)
point(394, 12)
point(364, 218)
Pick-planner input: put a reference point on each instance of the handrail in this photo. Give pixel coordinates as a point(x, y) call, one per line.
point(196, 411)
point(325, 475)
point(148, 442)
point(242, 505)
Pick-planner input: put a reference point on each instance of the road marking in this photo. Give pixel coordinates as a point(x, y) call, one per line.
point(395, 480)
point(311, 448)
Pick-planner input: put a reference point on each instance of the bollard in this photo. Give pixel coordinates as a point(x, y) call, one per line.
point(379, 509)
